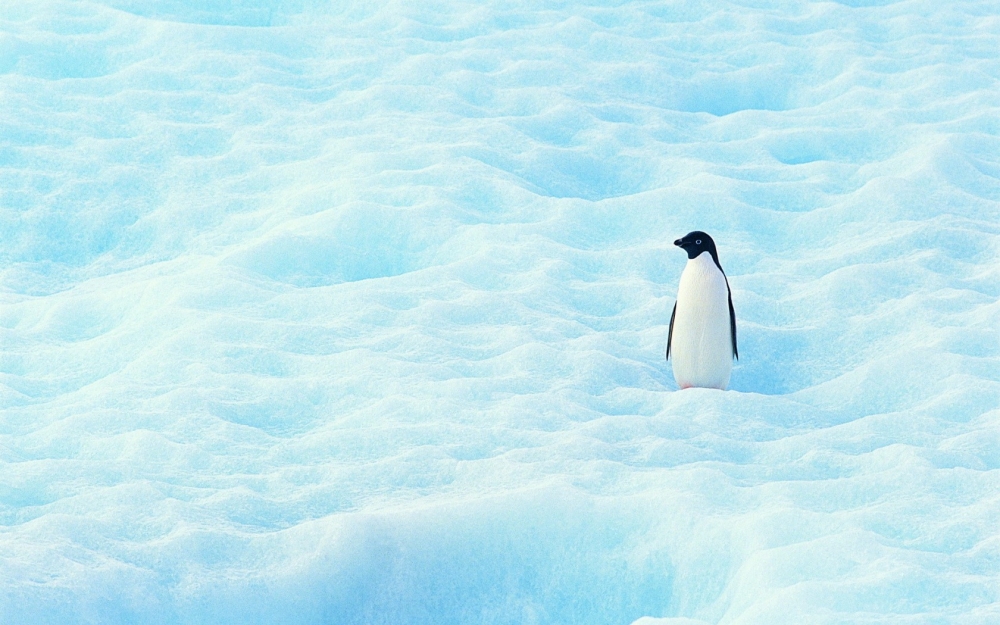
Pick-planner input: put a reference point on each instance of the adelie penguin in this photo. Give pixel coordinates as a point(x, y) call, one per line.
point(702, 339)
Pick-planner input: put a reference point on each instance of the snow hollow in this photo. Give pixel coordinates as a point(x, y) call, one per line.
point(355, 312)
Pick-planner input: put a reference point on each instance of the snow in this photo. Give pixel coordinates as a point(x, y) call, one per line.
point(321, 312)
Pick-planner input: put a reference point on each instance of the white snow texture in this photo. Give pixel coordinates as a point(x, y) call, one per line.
point(355, 312)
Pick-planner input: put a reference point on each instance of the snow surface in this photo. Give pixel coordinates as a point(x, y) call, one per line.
point(318, 312)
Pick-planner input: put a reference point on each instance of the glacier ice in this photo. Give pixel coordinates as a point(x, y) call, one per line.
point(355, 313)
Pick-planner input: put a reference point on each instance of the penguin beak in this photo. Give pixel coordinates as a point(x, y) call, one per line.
point(678, 243)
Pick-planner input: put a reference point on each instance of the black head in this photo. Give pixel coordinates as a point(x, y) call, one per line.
point(694, 243)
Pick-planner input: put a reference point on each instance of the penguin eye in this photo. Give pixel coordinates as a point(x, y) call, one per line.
point(698, 242)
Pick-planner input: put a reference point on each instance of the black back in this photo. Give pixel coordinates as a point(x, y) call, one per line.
point(695, 243)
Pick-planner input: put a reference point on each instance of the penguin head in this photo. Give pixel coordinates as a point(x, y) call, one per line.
point(694, 243)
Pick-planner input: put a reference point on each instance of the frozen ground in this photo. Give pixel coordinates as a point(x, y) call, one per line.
point(317, 312)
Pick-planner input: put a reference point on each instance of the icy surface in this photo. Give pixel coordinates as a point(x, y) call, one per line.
point(319, 312)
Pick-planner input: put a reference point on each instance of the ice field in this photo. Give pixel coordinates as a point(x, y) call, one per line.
point(355, 313)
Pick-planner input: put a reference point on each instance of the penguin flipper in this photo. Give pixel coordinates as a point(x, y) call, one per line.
point(670, 334)
point(732, 325)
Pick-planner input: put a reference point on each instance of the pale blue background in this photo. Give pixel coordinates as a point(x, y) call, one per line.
point(317, 312)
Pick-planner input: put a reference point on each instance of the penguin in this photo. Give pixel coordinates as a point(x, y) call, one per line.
point(702, 338)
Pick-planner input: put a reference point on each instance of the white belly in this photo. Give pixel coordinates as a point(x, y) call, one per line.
point(701, 346)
